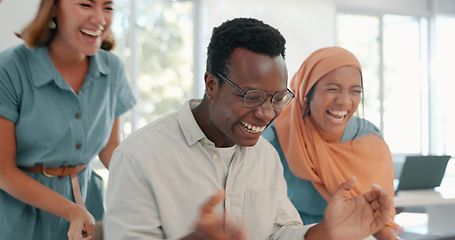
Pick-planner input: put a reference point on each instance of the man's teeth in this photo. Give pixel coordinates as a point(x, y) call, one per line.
point(253, 129)
point(92, 33)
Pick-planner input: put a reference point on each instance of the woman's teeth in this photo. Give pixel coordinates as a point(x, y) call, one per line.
point(253, 129)
point(92, 33)
point(337, 115)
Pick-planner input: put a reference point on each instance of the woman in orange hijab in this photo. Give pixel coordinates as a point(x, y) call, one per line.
point(321, 143)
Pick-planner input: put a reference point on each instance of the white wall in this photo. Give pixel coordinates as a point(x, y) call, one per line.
point(411, 7)
point(445, 6)
point(306, 24)
point(14, 15)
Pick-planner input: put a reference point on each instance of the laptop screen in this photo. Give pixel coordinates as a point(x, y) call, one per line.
point(422, 172)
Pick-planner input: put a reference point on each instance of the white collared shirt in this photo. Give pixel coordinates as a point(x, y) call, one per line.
point(163, 174)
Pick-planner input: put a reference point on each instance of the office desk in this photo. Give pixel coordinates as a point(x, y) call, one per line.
point(439, 204)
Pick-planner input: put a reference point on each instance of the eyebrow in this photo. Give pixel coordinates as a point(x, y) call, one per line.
point(106, 3)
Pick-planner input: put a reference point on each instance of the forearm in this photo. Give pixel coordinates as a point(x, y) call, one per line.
point(28, 190)
point(106, 154)
point(114, 140)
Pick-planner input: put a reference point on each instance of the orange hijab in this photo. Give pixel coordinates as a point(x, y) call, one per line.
point(325, 164)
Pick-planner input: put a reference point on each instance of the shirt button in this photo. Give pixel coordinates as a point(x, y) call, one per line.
point(214, 156)
point(78, 145)
point(77, 115)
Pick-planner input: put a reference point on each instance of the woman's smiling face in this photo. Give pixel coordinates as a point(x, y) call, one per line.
point(83, 24)
point(335, 99)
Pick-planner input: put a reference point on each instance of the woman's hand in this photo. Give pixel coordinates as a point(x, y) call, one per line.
point(82, 224)
point(354, 218)
point(388, 233)
point(364, 214)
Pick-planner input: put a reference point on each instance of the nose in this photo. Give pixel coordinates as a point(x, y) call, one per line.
point(98, 17)
point(343, 99)
point(265, 111)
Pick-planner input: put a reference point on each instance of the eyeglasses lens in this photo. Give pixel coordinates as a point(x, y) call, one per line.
point(255, 98)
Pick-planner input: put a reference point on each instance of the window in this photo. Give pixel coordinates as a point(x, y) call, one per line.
point(405, 95)
point(402, 76)
point(366, 47)
point(389, 51)
point(155, 41)
point(443, 71)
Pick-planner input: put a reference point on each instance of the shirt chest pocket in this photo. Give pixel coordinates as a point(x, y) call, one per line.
point(259, 212)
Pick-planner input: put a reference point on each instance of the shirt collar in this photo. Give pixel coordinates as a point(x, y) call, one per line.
point(191, 130)
point(44, 70)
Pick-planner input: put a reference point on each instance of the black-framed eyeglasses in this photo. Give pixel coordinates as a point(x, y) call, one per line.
point(254, 98)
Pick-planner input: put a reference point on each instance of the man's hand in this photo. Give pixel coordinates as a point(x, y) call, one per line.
point(354, 218)
point(211, 226)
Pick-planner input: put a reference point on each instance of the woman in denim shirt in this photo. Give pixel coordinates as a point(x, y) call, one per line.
point(61, 97)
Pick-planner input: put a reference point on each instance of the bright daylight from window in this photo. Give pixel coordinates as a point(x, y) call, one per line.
point(157, 52)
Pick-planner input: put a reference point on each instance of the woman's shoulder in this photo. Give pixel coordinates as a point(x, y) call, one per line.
point(109, 58)
point(358, 127)
point(18, 60)
point(271, 136)
point(110, 64)
point(14, 52)
point(270, 133)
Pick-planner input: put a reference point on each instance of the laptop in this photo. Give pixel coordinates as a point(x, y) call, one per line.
point(422, 172)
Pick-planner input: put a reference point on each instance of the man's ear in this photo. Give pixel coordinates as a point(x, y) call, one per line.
point(210, 84)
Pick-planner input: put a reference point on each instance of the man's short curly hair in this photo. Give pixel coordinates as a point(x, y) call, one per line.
point(248, 33)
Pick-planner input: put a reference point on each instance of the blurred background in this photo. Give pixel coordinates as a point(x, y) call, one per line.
point(406, 48)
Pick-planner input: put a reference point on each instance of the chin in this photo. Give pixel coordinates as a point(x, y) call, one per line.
point(249, 143)
point(90, 50)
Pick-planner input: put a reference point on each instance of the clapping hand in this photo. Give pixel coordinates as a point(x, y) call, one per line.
point(354, 218)
point(211, 226)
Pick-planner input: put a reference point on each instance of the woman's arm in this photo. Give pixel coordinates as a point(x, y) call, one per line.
point(26, 189)
point(114, 140)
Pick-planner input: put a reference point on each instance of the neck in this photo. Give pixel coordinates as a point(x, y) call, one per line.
point(203, 119)
point(72, 65)
point(326, 136)
point(65, 58)
point(64, 55)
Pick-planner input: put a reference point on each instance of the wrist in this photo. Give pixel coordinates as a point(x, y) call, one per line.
point(192, 236)
point(72, 211)
point(319, 231)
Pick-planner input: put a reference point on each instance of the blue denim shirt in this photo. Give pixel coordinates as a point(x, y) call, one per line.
point(55, 127)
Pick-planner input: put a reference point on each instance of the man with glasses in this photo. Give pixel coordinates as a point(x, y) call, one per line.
point(204, 172)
